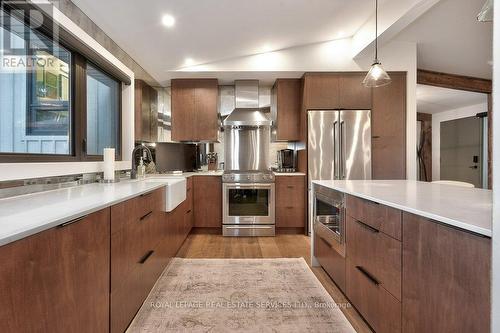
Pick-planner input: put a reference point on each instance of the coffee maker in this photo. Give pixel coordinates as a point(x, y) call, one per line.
point(286, 160)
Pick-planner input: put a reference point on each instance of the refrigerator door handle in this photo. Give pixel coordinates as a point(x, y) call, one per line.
point(336, 173)
point(342, 161)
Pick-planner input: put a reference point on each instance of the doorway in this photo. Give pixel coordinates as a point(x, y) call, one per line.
point(462, 150)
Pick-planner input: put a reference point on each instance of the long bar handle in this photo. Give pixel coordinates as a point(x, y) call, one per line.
point(342, 149)
point(336, 165)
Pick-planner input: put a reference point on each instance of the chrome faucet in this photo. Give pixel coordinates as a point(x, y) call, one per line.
point(133, 172)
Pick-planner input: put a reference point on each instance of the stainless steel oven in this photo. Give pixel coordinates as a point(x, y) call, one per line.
point(248, 208)
point(329, 217)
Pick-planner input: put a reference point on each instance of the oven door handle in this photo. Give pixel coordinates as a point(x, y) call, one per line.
point(248, 185)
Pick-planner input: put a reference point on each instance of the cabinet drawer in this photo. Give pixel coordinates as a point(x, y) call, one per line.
point(379, 308)
point(331, 261)
point(129, 296)
point(377, 253)
point(380, 217)
point(137, 209)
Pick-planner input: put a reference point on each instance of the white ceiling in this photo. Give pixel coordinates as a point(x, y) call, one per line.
point(451, 40)
point(435, 99)
point(209, 31)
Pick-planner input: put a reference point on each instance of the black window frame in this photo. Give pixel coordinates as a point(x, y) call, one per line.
point(78, 98)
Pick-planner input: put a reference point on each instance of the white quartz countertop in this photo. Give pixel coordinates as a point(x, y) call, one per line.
point(25, 215)
point(465, 208)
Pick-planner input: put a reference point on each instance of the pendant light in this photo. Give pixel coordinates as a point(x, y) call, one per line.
point(377, 76)
point(486, 13)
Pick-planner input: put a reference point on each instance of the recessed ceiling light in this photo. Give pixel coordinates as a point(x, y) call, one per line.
point(168, 20)
point(189, 62)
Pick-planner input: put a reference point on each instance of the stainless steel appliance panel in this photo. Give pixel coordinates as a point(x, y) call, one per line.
point(329, 217)
point(322, 151)
point(248, 203)
point(247, 148)
point(248, 230)
point(355, 137)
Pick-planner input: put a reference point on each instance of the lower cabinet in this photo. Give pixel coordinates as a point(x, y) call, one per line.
point(446, 274)
point(332, 262)
point(58, 279)
point(290, 202)
point(208, 197)
point(380, 309)
point(144, 240)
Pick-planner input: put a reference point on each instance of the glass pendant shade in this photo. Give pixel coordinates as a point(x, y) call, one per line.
point(377, 76)
point(486, 13)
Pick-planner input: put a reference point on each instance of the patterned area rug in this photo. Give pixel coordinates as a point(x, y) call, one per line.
point(239, 295)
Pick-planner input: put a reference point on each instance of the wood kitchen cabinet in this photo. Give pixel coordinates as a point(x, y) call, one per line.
point(389, 129)
point(336, 90)
point(331, 261)
point(58, 280)
point(290, 202)
point(446, 274)
point(344, 90)
point(194, 110)
point(137, 255)
point(145, 112)
point(373, 262)
point(286, 97)
point(207, 194)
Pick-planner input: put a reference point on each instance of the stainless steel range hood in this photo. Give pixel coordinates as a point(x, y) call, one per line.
point(247, 112)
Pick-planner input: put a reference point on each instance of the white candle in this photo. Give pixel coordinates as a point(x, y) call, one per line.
point(109, 163)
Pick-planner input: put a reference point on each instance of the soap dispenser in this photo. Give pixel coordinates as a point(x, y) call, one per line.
point(141, 169)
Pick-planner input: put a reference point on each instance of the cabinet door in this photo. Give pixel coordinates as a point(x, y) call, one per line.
point(321, 91)
point(153, 131)
point(353, 95)
point(138, 110)
point(389, 129)
point(286, 103)
point(207, 197)
point(290, 202)
point(183, 110)
point(446, 278)
point(58, 280)
point(146, 112)
point(206, 125)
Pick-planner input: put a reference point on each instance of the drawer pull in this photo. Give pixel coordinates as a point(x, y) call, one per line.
point(146, 257)
point(145, 194)
point(189, 211)
point(366, 226)
point(290, 186)
point(146, 216)
point(368, 275)
point(62, 225)
point(289, 207)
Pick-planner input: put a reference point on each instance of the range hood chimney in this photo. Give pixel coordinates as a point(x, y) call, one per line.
point(247, 112)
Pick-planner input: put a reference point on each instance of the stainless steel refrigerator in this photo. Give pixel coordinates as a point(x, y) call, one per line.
point(338, 145)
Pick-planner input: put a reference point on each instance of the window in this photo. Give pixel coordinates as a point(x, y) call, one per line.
point(55, 103)
point(103, 117)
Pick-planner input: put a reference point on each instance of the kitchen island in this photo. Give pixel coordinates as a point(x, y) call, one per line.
point(410, 256)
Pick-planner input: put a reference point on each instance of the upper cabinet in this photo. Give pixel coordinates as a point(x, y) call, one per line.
point(146, 112)
point(285, 109)
point(194, 110)
point(329, 91)
point(336, 91)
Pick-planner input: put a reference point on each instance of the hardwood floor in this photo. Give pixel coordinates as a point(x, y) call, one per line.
point(206, 245)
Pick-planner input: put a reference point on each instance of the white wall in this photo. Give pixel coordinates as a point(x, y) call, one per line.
point(334, 56)
point(437, 119)
point(10, 171)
